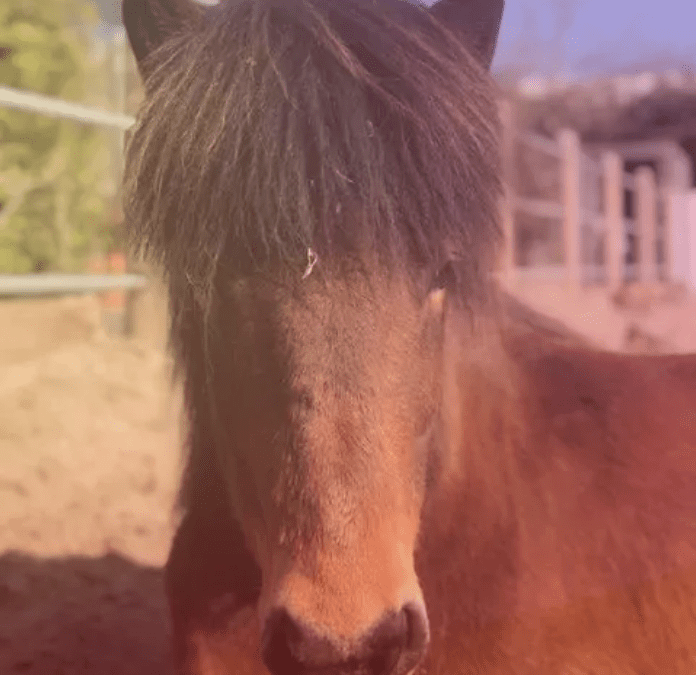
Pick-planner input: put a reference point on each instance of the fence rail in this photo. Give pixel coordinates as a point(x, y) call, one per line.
point(22, 285)
point(540, 208)
point(56, 107)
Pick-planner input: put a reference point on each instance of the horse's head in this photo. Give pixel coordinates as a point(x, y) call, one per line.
point(304, 170)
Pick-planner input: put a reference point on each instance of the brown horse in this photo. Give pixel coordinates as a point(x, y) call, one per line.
point(390, 469)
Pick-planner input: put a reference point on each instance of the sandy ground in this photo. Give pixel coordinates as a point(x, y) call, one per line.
point(89, 463)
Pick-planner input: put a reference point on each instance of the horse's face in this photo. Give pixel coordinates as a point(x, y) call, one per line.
point(325, 390)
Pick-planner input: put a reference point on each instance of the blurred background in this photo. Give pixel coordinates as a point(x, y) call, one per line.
point(598, 104)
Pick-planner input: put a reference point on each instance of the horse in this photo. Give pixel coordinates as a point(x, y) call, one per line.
point(390, 468)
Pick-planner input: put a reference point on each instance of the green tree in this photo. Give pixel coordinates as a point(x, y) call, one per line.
point(55, 186)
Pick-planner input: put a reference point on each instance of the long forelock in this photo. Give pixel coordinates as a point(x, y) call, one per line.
point(289, 124)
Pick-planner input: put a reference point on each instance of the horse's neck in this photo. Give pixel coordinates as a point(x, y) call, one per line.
point(584, 456)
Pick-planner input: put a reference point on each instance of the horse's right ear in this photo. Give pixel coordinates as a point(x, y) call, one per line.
point(150, 23)
point(477, 22)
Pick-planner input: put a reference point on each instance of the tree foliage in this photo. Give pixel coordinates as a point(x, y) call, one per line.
point(55, 181)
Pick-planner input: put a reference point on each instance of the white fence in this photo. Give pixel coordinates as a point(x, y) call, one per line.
point(580, 218)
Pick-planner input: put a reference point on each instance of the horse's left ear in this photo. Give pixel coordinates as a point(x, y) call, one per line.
point(477, 22)
point(150, 23)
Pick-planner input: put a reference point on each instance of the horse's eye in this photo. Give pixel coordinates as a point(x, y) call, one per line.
point(445, 278)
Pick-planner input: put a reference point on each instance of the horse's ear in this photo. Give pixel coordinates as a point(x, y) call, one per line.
point(150, 23)
point(477, 22)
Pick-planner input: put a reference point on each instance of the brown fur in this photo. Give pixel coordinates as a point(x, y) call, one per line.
point(387, 430)
point(578, 552)
point(588, 561)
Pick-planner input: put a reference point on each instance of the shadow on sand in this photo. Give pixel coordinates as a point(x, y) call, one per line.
point(74, 615)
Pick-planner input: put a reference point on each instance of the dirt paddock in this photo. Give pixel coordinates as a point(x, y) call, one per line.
point(88, 472)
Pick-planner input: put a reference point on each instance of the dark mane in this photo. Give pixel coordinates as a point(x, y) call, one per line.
point(342, 126)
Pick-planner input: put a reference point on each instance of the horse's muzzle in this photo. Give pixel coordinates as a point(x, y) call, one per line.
point(394, 646)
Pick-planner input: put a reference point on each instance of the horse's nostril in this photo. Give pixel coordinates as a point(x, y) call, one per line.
point(279, 644)
point(290, 647)
point(418, 637)
point(387, 644)
point(394, 647)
